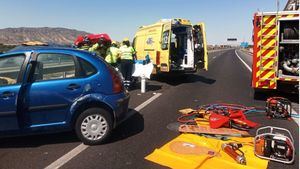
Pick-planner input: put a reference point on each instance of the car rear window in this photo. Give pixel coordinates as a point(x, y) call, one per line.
point(87, 68)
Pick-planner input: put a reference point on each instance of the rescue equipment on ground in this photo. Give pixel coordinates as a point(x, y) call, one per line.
point(208, 130)
point(235, 120)
point(274, 143)
point(191, 151)
point(182, 147)
point(207, 144)
point(233, 150)
point(279, 107)
point(219, 115)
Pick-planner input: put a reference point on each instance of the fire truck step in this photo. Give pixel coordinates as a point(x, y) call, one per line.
point(273, 68)
point(269, 79)
point(265, 57)
point(269, 36)
point(267, 47)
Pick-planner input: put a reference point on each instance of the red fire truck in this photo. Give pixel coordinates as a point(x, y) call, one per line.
point(276, 51)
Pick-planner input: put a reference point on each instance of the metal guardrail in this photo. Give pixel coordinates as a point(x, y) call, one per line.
point(54, 68)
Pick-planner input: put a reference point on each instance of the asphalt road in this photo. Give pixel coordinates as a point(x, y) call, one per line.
point(227, 80)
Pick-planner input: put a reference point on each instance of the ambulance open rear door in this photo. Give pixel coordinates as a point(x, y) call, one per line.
point(200, 46)
point(162, 57)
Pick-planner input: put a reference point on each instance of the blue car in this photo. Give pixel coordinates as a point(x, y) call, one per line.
point(53, 89)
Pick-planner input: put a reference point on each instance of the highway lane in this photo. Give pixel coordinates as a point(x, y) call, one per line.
point(38, 151)
point(226, 81)
point(245, 56)
point(41, 150)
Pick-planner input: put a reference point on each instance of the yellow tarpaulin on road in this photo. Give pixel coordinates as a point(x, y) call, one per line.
point(190, 151)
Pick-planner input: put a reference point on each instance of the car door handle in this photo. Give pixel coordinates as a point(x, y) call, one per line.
point(73, 86)
point(7, 94)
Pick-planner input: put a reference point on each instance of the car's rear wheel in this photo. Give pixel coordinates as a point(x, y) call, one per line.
point(93, 126)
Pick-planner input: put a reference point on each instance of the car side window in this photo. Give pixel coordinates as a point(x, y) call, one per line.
point(9, 69)
point(52, 66)
point(87, 68)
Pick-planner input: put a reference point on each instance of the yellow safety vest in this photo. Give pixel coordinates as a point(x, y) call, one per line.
point(126, 52)
point(101, 51)
point(112, 55)
point(84, 47)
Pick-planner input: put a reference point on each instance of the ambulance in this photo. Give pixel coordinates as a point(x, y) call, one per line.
point(173, 45)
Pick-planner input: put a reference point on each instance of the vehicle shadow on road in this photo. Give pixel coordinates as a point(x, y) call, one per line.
point(149, 87)
point(264, 96)
point(182, 79)
point(38, 140)
point(132, 126)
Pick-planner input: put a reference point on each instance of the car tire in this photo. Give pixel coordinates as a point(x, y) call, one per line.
point(93, 126)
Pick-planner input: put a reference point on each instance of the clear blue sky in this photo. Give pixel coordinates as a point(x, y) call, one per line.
point(223, 18)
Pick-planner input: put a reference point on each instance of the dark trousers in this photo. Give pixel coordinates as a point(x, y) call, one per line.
point(114, 64)
point(126, 67)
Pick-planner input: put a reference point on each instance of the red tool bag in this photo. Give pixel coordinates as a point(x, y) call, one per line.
point(235, 119)
point(217, 121)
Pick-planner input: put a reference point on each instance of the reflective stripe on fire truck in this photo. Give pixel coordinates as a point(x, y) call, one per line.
point(267, 47)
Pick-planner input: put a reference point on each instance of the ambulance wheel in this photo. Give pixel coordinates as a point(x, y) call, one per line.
point(93, 126)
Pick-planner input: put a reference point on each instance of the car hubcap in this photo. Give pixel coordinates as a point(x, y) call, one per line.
point(94, 127)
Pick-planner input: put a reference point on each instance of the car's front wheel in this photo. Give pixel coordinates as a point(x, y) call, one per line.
point(93, 126)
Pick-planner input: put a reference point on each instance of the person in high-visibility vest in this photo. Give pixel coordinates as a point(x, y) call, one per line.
point(127, 55)
point(100, 48)
point(112, 54)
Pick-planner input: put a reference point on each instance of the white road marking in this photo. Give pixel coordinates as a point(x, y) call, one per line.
point(141, 106)
point(67, 157)
point(249, 68)
point(219, 50)
point(81, 147)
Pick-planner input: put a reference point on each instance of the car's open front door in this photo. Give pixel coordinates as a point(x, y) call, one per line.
point(201, 55)
point(11, 75)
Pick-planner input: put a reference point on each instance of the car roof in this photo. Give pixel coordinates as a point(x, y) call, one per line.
point(24, 49)
point(49, 49)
